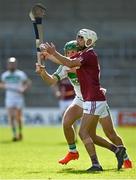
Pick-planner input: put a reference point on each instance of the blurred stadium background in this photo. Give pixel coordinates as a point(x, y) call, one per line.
point(115, 24)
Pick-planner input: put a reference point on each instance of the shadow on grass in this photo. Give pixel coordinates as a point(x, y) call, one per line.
point(64, 143)
point(7, 142)
point(61, 143)
point(74, 171)
point(34, 172)
point(10, 142)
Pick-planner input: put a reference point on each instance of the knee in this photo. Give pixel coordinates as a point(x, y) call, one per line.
point(94, 138)
point(111, 135)
point(86, 139)
point(83, 134)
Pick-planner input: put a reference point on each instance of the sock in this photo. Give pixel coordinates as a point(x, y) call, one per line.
point(95, 161)
point(14, 131)
point(20, 129)
point(120, 146)
point(114, 148)
point(72, 148)
point(126, 156)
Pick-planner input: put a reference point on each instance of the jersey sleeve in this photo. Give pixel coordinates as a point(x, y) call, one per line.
point(2, 78)
point(23, 75)
point(61, 72)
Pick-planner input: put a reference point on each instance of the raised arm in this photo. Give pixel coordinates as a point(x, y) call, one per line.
point(50, 48)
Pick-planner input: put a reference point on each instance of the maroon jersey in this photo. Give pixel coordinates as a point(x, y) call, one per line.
point(66, 89)
point(89, 76)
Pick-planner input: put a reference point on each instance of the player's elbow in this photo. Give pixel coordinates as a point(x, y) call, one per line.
point(52, 82)
point(75, 64)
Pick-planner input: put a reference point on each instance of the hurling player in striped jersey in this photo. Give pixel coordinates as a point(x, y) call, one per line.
point(15, 82)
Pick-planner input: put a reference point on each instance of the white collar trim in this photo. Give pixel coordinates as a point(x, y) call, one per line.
point(89, 49)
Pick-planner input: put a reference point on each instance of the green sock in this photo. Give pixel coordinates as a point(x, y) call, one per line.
point(72, 147)
point(14, 131)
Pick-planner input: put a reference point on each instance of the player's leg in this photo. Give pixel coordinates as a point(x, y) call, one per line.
point(11, 118)
point(19, 122)
point(89, 122)
point(100, 141)
point(75, 126)
point(9, 104)
point(72, 113)
point(119, 151)
point(111, 133)
point(19, 104)
point(63, 105)
point(105, 113)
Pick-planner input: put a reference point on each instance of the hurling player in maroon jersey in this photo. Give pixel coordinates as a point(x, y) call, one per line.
point(95, 105)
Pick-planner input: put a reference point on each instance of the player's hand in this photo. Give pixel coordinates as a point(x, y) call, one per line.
point(22, 89)
point(39, 68)
point(103, 90)
point(50, 48)
point(42, 47)
point(44, 55)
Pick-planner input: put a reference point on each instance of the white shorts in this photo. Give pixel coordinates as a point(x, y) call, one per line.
point(99, 108)
point(14, 103)
point(77, 101)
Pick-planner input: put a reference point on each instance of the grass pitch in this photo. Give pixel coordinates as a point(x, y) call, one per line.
point(36, 157)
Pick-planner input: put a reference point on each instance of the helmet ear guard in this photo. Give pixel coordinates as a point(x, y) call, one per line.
point(88, 43)
point(88, 34)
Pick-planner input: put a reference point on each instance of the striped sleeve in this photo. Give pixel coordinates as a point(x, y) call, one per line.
point(61, 72)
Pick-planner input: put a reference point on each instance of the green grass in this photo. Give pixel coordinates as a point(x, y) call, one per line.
point(37, 155)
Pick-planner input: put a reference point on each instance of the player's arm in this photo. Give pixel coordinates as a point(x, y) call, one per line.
point(26, 85)
point(2, 85)
point(48, 78)
point(9, 87)
point(54, 59)
point(5, 86)
point(50, 48)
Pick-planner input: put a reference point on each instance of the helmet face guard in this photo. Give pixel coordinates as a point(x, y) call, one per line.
point(88, 34)
point(71, 45)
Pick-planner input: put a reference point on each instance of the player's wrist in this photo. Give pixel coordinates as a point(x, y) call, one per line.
point(54, 53)
point(42, 72)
